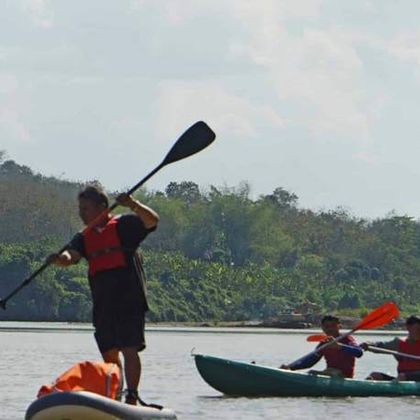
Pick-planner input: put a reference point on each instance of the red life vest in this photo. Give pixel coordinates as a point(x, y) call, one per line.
point(408, 365)
point(339, 359)
point(103, 248)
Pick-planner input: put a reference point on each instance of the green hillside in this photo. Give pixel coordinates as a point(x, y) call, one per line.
point(217, 254)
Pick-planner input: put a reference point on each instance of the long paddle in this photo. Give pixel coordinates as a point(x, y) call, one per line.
point(193, 140)
point(376, 318)
point(375, 349)
point(316, 338)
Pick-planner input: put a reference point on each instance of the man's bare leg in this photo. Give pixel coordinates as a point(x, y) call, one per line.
point(132, 368)
point(112, 356)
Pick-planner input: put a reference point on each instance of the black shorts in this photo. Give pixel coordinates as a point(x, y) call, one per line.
point(117, 333)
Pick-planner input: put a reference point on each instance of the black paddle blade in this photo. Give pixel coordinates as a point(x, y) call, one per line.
point(196, 138)
point(3, 304)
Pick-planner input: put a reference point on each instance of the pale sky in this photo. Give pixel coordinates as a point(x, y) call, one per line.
point(321, 97)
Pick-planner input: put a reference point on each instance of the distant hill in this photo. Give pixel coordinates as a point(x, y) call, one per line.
point(217, 254)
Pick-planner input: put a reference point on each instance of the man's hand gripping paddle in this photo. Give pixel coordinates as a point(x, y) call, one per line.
point(195, 139)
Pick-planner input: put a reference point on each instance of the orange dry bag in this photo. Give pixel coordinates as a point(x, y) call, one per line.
point(98, 377)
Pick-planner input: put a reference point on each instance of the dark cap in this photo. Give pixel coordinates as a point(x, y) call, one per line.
point(413, 319)
point(330, 318)
point(94, 193)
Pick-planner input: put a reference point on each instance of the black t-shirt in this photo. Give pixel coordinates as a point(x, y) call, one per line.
point(119, 292)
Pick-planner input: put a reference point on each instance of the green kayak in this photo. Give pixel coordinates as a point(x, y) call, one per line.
point(247, 379)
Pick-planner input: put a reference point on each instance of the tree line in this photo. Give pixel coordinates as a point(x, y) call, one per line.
point(218, 254)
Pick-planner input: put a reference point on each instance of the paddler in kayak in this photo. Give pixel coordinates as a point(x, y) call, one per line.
point(116, 277)
point(408, 369)
point(340, 357)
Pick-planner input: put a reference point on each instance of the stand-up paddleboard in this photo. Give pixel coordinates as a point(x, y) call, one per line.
point(82, 405)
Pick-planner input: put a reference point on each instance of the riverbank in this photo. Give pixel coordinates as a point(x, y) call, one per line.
point(172, 327)
point(287, 322)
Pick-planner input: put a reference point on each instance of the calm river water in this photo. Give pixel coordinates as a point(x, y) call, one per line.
point(31, 358)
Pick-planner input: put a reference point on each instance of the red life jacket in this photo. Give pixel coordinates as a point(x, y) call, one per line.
point(408, 365)
point(98, 377)
point(339, 359)
point(103, 248)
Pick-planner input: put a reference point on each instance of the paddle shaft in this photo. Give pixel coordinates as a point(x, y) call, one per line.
point(140, 183)
point(375, 349)
point(392, 352)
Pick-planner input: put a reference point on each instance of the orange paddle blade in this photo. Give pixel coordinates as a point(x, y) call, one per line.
point(316, 338)
point(378, 317)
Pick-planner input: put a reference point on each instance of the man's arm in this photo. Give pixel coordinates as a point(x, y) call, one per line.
point(354, 350)
point(305, 363)
point(351, 347)
point(71, 255)
point(389, 345)
point(148, 216)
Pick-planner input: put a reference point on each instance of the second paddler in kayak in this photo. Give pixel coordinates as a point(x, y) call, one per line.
point(407, 369)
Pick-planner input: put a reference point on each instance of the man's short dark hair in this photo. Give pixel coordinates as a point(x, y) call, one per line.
point(413, 319)
point(94, 193)
point(330, 318)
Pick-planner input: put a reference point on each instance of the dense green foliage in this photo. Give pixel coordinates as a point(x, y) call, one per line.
point(217, 255)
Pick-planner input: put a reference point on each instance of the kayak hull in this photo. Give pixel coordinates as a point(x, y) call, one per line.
point(247, 379)
point(89, 406)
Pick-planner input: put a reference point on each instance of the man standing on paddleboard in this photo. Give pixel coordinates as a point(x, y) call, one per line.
point(116, 277)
